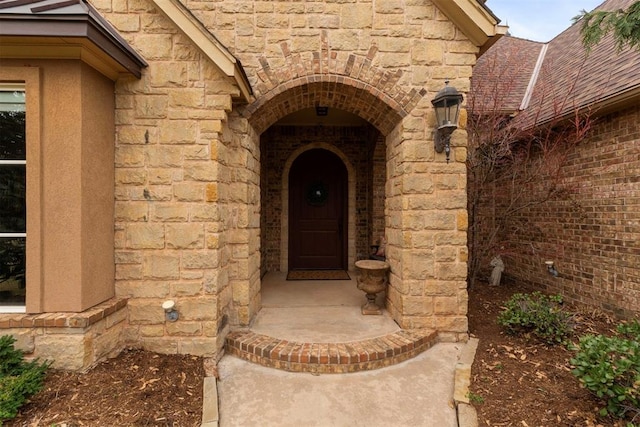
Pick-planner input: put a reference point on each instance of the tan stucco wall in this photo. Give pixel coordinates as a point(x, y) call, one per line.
point(97, 193)
point(72, 215)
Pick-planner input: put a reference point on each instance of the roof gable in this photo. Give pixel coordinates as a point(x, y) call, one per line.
point(503, 78)
point(207, 43)
point(474, 19)
point(599, 79)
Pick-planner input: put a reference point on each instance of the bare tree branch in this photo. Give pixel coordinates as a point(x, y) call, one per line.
point(513, 164)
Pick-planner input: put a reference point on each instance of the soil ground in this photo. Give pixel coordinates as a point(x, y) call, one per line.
point(516, 381)
point(137, 388)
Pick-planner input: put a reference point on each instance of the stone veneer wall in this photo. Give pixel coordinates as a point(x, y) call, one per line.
point(177, 175)
point(384, 62)
point(71, 341)
point(593, 234)
point(426, 235)
point(187, 208)
point(239, 199)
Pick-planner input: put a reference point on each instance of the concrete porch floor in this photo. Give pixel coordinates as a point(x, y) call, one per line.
point(317, 311)
point(418, 391)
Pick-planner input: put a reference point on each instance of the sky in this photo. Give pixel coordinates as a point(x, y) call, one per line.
point(539, 20)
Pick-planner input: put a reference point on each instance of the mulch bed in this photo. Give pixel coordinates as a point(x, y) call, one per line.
point(137, 388)
point(517, 380)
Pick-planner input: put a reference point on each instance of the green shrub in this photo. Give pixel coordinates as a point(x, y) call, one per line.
point(610, 368)
point(538, 314)
point(475, 398)
point(630, 330)
point(18, 379)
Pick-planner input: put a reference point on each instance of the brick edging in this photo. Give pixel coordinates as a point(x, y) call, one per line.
point(63, 319)
point(345, 357)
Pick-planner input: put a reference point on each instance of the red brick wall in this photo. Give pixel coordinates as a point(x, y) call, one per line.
point(592, 231)
point(379, 180)
point(358, 144)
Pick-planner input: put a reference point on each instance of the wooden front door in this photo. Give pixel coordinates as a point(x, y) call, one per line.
point(317, 211)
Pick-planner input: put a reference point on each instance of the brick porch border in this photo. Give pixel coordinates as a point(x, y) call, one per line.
point(63, 319)
point(328, 358)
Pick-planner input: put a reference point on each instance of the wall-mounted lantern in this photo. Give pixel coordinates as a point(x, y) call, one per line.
point(447, 105)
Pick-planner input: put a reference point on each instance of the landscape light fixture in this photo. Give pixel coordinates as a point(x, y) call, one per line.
point(551, 268)
point(170, 312)
point(447, 105)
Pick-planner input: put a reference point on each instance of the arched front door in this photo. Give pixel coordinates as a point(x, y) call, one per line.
point(317, 212)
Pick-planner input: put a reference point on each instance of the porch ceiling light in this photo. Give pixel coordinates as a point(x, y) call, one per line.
point(321, 111)
point(447, 105)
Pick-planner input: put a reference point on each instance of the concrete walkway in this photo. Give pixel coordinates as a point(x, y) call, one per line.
point(417, 392)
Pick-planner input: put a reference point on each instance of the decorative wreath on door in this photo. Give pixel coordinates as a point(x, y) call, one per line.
point(317, 194)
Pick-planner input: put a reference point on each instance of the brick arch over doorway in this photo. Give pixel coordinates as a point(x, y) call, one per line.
point(335, 79)
point(350, 83)
point(334, 94)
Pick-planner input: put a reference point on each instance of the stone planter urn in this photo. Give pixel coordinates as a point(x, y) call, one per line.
point(371, 279)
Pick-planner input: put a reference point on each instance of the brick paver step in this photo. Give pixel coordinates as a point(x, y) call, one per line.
point(341, 357)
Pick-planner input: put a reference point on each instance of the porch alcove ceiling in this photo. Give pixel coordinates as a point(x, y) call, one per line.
point(309, 117)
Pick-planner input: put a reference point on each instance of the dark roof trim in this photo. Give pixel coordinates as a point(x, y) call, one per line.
point(73, 18)
point(53, 6)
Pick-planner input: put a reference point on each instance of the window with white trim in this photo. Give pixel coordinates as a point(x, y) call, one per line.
point(13, 187)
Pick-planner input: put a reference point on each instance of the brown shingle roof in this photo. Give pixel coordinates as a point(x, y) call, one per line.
point(577, 79)
point(569, 78)
point(503, 74)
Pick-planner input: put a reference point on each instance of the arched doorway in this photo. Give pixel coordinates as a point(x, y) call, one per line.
point(286, 126)
point(318, 212)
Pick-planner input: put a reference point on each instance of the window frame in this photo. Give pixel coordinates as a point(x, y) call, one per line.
point(29, 80)
point(12, 87)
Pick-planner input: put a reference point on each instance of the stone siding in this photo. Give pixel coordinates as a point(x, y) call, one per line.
point(188, 160)
point(385, 69)
point(177, 225)
point(71, 341)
